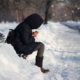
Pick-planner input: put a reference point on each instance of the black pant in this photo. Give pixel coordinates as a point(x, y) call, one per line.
point(40, 49)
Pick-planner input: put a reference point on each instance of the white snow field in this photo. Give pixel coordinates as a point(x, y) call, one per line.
point(61, 56)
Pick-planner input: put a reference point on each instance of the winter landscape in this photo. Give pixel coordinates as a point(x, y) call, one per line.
point(62, 54)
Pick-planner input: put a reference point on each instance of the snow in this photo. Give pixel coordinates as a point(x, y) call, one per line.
point(62, 55)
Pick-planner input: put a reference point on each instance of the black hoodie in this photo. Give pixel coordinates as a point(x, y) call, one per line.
point(24, 42)
point(34, 21)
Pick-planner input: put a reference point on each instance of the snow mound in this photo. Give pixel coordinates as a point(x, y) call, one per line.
point(61, 56)
point(14, 68)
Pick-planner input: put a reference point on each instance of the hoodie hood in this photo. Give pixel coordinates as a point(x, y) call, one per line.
point(34, 21)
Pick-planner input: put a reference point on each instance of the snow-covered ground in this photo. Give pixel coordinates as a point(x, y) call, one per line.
point(72, 25)
point(62, 55)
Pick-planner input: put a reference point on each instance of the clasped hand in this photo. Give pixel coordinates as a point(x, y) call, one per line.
point(34, 34)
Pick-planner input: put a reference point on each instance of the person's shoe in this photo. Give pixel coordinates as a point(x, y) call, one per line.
point(44, 70)
point(39, 61)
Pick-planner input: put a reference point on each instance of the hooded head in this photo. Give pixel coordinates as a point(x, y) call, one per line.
point(34, 21)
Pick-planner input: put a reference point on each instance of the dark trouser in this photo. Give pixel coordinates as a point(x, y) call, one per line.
point(39, 57)
point(40, 49)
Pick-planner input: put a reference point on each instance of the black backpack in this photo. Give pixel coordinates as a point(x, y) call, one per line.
point(10, 36)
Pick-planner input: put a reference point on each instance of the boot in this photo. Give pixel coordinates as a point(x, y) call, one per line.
point(44, 70)
point(39, 61)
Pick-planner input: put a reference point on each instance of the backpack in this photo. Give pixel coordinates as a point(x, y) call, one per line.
point(10, 36)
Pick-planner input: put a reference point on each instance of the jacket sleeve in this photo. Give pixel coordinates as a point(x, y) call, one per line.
point(25, 33)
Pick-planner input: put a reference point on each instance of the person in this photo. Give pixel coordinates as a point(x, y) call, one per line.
point(24, 41)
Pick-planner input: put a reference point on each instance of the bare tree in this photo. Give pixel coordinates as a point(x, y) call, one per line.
point(48, 4)
point(75, 9)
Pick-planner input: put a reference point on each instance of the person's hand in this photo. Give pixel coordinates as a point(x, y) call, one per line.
point(34, 34)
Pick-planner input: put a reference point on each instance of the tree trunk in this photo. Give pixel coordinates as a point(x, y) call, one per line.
point(48, 4)
point(19, 16)
point(46, 16)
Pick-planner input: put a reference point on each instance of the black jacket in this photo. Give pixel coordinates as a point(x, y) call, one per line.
point(24, 42)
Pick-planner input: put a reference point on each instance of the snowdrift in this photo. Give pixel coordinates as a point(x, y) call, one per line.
point(62, 55)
